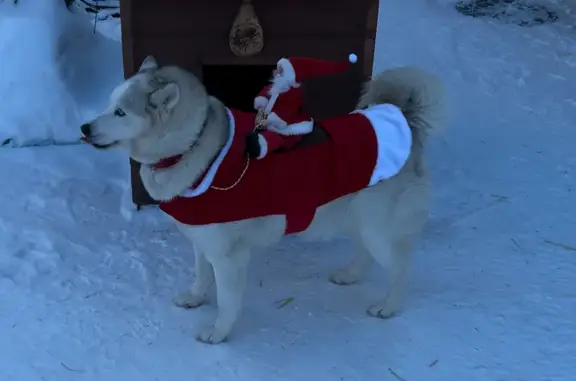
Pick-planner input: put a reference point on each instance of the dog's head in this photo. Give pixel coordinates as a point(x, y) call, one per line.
point(153, 114)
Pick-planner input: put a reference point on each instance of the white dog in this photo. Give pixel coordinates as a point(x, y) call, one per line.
point(165, 111)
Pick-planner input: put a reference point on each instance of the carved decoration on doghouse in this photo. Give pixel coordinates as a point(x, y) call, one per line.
point(246, 36)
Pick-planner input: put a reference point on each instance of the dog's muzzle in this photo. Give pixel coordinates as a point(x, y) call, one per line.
point(87, 137)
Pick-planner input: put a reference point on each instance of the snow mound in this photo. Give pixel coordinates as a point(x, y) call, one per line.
point(104, 15)
point(37, 108)
point(55, 73)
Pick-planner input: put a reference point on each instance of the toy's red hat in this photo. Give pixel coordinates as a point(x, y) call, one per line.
point(298, 69)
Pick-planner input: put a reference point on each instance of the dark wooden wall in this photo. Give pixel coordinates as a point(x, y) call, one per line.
point(193, 33)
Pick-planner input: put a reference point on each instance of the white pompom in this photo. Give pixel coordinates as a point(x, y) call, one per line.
point(353, 58)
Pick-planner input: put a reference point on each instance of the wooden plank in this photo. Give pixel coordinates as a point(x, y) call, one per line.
point(190, 52)
point(305, 18)
point(276, 47)
point(190, 19)
point(126, 9)
point(276, 17)
point(182, 52)
point(139, 194)
point(370, 39)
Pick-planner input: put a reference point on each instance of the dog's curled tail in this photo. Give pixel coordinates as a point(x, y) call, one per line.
point(419, 94)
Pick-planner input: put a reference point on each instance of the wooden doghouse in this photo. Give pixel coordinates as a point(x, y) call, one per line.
point(234, 53)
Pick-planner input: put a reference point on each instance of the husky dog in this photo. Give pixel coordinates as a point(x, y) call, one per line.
point(165, 111)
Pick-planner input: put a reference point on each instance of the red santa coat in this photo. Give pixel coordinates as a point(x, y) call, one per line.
point(296, 182)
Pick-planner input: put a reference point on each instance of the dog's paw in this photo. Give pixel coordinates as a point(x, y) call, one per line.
point(189, 300)
point(382, 310)
point(343, 277)
point(211, 335)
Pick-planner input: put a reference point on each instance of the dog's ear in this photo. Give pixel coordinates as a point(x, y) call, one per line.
point(148, 63)
point(166, 97)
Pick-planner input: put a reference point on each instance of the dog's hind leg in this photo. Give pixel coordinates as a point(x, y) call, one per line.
point(359, 266)
point(198, 293)
point(393, 253)
point(230, 270)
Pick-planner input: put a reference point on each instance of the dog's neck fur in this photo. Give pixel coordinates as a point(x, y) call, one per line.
point(169, 161)
point(166, 183)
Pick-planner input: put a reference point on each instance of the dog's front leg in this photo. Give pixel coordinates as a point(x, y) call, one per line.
point(198, 293)
point(230, 270)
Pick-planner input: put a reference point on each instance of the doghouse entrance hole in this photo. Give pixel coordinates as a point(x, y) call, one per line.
point(236, 85)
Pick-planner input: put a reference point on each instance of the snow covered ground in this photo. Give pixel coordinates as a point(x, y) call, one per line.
point(86, 283)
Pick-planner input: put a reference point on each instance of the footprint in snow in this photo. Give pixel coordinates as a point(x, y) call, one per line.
point(90, 201)
point(27, 262)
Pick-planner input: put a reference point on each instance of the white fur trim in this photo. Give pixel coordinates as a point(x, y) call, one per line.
point(263, 146)
point(211, 173)
point(280, 85)
point(271, 103)
point(288, 70)
point(299, 128)
point(353, 58)
point(394, 139)
point(274, 120)
point(260, 102)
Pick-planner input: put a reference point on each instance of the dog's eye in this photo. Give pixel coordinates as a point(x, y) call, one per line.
point(119, 113)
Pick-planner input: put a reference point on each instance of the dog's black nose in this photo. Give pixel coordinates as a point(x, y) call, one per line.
point(86, 129)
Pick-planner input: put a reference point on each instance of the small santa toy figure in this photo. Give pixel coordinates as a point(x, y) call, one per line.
point(281, 117)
